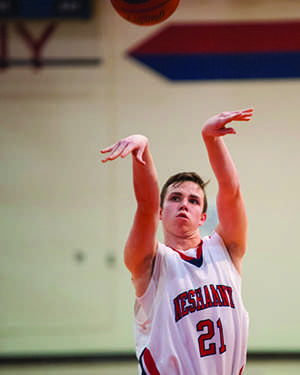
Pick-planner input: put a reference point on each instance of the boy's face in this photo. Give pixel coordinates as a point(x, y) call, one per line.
point(182, 208)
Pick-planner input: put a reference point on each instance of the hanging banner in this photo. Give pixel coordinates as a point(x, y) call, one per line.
point(223, 51)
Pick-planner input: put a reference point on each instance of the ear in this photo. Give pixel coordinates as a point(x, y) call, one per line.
point(203, 219)
point(160, 213)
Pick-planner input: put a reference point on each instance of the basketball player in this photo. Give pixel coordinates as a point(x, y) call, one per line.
point(189, 314)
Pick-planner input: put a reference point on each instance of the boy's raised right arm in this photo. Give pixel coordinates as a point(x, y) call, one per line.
point(141, 245)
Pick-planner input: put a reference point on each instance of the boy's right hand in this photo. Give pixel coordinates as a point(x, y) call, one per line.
point(134, 144)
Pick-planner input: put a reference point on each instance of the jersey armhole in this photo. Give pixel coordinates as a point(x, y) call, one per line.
point(145, 301)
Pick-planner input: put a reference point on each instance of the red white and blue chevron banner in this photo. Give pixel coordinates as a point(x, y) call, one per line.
point(223, 51)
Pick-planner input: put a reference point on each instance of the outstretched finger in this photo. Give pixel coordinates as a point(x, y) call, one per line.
point(225, 131)
point(244, 115)
point(244, 111)
point(251, 109)
point(108, 149)
point(247, 112)
point(115, 152)
point(244, 118)
point(231, 116)
point(127, 150)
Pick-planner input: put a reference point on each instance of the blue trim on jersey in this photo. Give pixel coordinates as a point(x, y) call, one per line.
point(196, 262)
point(141, 363)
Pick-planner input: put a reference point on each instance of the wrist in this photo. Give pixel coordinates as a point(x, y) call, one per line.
point(207, 136)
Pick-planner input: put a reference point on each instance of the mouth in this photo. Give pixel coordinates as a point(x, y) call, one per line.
point(182, 215)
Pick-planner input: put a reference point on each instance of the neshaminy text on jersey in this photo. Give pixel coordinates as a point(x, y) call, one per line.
point(202, 298)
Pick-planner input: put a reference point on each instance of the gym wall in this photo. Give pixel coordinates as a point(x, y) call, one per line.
point(65, 216)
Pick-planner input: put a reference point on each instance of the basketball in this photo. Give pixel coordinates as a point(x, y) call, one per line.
point(145, 12)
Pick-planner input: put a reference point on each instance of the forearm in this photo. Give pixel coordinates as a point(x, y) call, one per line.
point(145, 183)
point(222, 164)
point(141, 245)
point(232, 226)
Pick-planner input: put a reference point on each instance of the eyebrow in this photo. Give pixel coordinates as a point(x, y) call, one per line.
point(190, 196)
point(195, 196)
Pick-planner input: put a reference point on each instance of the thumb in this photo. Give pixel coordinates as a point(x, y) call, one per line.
point(139, 156)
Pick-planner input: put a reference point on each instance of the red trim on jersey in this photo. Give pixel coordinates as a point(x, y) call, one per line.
point(241, 370)
point(149, 362)
point(186, 257)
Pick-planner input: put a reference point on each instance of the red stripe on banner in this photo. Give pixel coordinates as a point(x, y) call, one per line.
point(149, 362)
point(279, 36)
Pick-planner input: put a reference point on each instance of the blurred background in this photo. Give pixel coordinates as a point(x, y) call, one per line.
point(74, 78)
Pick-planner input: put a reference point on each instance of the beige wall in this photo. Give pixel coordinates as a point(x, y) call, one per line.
point(59, 203)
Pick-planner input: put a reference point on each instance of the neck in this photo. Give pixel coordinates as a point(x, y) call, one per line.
point(182, 242)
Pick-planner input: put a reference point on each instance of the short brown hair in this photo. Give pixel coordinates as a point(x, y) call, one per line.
point(178, 179)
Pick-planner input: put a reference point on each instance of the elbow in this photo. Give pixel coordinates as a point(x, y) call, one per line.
point(149, 207)
point(230, 190)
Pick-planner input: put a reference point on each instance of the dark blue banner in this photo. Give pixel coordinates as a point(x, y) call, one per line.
point(45, 9)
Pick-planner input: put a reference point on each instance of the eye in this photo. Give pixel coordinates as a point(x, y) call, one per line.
point(194, 201)
point(174, 198)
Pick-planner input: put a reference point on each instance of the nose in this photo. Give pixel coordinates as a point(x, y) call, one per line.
point(183, 205)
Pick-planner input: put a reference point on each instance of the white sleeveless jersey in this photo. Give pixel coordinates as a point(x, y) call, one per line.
point(191, 320)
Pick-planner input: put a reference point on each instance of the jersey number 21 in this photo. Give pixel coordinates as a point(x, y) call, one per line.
point(208, 329)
